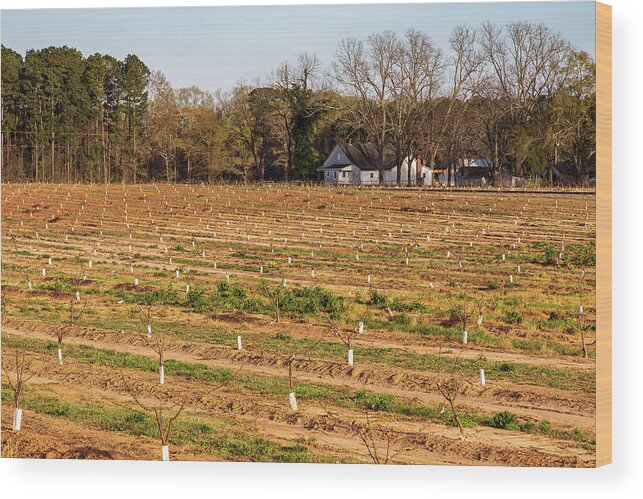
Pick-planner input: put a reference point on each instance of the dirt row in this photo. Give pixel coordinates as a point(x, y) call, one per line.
point(336, 428)
point(561, 407)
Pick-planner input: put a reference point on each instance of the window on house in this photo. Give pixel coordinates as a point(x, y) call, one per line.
point(338, 156)
point(371, 175)
point(335, 174)
point(343, 174)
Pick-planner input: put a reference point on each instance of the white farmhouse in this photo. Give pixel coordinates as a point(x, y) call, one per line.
point(357, 164)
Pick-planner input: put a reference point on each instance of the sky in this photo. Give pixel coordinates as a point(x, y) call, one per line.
point(218, 47)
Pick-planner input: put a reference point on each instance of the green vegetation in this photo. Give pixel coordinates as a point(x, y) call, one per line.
point(506, 421)
point(221, 437)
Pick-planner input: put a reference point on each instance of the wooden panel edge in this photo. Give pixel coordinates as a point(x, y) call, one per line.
point(603, 234)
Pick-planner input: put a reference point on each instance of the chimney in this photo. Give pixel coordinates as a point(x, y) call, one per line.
point(350, 141)
point(418, 167)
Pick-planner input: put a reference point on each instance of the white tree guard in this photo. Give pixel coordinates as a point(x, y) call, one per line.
point(17, 419)
point(293, 401)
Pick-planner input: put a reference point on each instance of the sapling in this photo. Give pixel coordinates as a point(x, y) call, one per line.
point(165, 411)
point(463, 313)
point(368, 435)
point(346, 337)
point(22, 369)
point(275, 295)
point(581, 323)
point(27, 276)
point(74, 315)
point(153, 339)
point(449, 388)
point(291, 383)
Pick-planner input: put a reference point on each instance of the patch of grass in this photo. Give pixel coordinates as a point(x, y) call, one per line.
point(357, 400)
point(210, 434)
point(512, 317)
point(505, 420)
point(584, 439)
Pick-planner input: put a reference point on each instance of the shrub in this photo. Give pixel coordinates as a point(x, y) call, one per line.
point(227, 290)
point(310, 300)
point(505, 420)
point(583, 255)
point(377, 299)
point(512, 317)
point(549, 254)
point(165, 297)
point(544, 427)
point(402, 320)
point(196, 300)
point(413, 306)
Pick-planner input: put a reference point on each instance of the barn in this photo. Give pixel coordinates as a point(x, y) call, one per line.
point(563, 174)
point(357, 164)
point(474, 172)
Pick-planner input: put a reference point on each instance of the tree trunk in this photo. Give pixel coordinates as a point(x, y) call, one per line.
point(398, 179)
point(518, 167)
point(53, 156)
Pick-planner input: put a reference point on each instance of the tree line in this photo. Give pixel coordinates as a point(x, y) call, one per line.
point(519, 95)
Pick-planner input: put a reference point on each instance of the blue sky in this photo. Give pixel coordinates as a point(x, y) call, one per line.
point(216, 47)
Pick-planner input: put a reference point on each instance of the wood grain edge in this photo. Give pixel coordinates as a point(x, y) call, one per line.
point(603, 234)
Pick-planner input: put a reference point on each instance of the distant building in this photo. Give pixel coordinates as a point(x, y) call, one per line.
point(478, 163)
point(479, 172)
point(473, 176)
point(357, 164)
point(473, 172)
point(563, 174)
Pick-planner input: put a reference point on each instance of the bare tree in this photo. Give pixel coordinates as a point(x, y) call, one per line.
point(463, 313)
point(417, 79)
point(153, 338)
point(345, 336)
point(449, 387)
point(165, 410)
point(22, 373)
point(163, 123)
point(528, 64)
point(290, 359)
point(368, 435)
point(368, 72)
point(582, 325)
point(446, 116)
point(74, 314)
point(274, 294)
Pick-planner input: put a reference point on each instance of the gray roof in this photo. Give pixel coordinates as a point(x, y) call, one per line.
point(364, 156)
point(479, 163)
point(474, 172)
